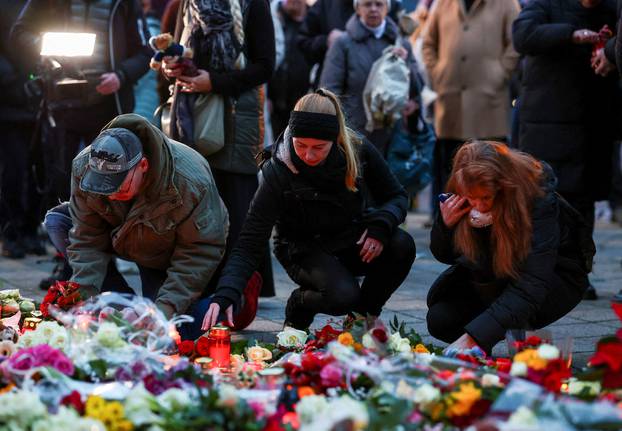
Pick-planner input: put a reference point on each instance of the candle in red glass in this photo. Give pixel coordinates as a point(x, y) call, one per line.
point(220, 345)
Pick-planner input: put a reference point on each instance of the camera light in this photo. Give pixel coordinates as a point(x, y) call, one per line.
point(68, 44)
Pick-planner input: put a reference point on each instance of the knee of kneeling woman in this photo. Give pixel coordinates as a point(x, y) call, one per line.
point(402, 246)
point(438, 327)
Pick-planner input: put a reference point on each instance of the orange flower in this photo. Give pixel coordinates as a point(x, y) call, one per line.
point(358, 347)
point(346, 339)
point(464, 398)
point(420, 348)
point(305, 391)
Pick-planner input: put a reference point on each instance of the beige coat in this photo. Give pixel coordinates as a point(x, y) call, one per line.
point(469, 58)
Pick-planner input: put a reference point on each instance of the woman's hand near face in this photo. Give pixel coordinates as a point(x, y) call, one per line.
point(453, 209)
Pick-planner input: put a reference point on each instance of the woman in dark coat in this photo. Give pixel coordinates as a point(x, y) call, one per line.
point(567, 115)
point(519, 259)
point(350, 59)
point(336, 207)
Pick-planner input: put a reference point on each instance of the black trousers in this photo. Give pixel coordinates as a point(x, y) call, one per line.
point(455, 299)
point(19, 199)
point(328, 283)
point(444, 151)
point(237, 191)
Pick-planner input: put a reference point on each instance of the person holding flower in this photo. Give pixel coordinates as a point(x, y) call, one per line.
point(519, 253)
point(336, 207)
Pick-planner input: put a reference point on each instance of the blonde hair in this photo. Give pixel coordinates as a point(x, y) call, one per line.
point(515, 177)
point(326, 102)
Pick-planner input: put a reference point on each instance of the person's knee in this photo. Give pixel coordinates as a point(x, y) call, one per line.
point(58, 219)
point(402, 246)
point(343, 298)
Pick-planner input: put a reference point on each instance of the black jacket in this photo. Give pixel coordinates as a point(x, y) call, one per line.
point(613, 47)
point(561, 244)
point(307, 218)
point(130, 52)
point(15, 106)
point(567, 114)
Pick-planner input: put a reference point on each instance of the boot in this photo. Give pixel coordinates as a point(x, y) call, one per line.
point(61, 272)
point(295, 314)
point(590, 293)
point(13, 249)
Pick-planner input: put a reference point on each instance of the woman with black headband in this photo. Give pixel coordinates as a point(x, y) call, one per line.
point(336, 208)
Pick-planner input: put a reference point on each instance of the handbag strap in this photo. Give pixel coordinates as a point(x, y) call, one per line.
point(238, 30)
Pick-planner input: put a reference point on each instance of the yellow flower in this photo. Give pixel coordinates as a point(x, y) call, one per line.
point(420, 348)
point(346, 339)
point(94, 406)
point(537, 364)
point(526, 355)
point(464, 399)
point(436, 410)
point(358, 347)
point(114, 410)
point(122, 425)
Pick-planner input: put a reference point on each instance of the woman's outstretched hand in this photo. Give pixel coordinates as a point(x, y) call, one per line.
point(465, 342)
point(211, 317)
point(453, 209)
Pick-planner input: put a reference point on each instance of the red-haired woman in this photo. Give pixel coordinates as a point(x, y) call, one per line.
point(520, 254)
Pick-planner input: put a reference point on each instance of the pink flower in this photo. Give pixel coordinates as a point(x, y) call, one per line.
point(63, 365)
point(331, 376)
point(22, 361)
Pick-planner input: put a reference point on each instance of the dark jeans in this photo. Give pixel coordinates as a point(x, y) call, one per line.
point(328, 282)
point(58, 223)
point(455, 299)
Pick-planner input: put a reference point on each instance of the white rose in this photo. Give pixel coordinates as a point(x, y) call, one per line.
point(21, 409)
point(575, 387)
point(138, 407)
point(344, 408)
point(399, 344)
point(519, 369)
point(339, 351)
point(109, 335)
point(27, 339)
point(48, 329)
point(174, 399)
point(227, 395)
point(59, 341)
point(311, 407)
point(368, 341)
point(548, 352)
point(404, 390)
point(490, 380)
point(291, 338)
point(426, 394)
point(68, 419)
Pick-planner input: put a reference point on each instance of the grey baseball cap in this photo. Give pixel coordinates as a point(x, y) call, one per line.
point(113, 154)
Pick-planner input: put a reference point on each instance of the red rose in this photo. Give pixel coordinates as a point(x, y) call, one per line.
point(609, 354)
point(617, 308)
point(504, 365)
point(380, 335)
point(533, 341)
point(186, 348)
point(326, 335)
point(202, 346)
point(612, 380)
point(74, 399)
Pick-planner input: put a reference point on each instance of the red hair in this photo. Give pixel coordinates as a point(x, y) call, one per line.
point(515, 178)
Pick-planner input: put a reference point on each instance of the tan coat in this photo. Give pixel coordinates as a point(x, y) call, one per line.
point(469, 58)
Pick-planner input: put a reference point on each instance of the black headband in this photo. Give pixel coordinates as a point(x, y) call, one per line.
point(313, 125)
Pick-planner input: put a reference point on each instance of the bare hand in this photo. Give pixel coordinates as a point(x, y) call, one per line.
point(410, 107)
point(401, 52)
point(601, 65)
point(465, 342)
point(171, 68)
point(211, 317)
point(372, 248)
point(196, 84)
point(452, 210)
point(332, 37)
point(109, 84)
point(584, 36)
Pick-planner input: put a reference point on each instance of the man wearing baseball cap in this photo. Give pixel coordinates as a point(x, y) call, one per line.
point(143, 197)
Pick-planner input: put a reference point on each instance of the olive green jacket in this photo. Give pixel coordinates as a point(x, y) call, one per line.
point(177, 223)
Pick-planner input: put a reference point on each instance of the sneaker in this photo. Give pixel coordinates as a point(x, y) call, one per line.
point(295, 314)
point(590, 294)
point(61, 272)
point(13, 249)
point(250, 299)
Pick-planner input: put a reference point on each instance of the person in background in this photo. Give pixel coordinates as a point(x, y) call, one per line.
point(19, 199)
point(145, 90)
point(519, 253)
point(317, 190)
point(351, 57)
point(567, 112)
point(325, 22)
point(215, 54)
point(291, 78)
point(468, 53)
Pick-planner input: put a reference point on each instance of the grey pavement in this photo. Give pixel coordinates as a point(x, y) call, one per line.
point(588, 322)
